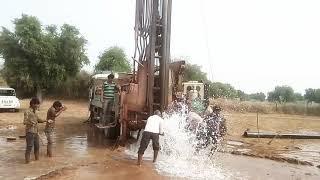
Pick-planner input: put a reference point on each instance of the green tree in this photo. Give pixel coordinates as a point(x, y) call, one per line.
point(193, 72)
point(242, 95)
point(298, 97)
point(317, 95)
point(73, 87)
point(113, 59)
point(310, 95)
point(258, 96)
point(221, 90)
point(282, 94)
point(37, 57)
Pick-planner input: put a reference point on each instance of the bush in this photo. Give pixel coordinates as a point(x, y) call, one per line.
point(76, 87)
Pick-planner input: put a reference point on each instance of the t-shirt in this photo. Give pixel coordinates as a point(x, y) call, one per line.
point(31, 120)
point(51, 115)
point(109, 90)
point(154, 124)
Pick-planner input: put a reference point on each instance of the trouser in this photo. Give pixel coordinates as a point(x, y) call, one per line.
point(32, 140)
point(49, 135)
point(146, 137)
point(107, 110)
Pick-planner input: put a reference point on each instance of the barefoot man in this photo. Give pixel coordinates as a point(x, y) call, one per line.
point(31, 120)
point(152, 131)
point(54, 111)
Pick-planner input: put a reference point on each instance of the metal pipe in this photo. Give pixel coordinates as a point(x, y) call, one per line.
point(169, 10)
point(248, 134)
point(164, 57)
point(137, 62)
point(152, 56)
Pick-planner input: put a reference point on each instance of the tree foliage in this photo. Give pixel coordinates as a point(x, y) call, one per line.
point(38, 57)
point(73, 87)
point(309, 95)
point(298, 97)
point(258, 96)
point(242, 95)
point(193, 72)
point(312, 95)
point(221, 90)
point(317, 95)
point(113, 59)
point(281, 94)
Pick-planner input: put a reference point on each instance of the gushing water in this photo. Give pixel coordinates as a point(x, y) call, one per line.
point(186, 153)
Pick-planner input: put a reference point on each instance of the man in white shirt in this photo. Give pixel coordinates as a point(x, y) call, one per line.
point(152, 131)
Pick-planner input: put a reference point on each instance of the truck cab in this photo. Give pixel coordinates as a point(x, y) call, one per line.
point(194, 90)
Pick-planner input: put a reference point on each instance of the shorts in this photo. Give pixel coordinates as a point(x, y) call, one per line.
point(146, 136)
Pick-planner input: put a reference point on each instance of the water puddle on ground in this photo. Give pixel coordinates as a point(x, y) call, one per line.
point(77, 145)
point(234, 143)
point(8, 128)
point(178, 156)
point(307, 152)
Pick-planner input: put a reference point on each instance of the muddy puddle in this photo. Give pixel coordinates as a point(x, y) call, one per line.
point(305, 152)
point(81, 153)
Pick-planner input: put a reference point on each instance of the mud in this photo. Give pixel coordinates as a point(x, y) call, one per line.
point(303, 155)
point(81, 153)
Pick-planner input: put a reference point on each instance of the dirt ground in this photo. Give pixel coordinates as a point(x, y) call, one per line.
point(304, 150)
point(80, 154)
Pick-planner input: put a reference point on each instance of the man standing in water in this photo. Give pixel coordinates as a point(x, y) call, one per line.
point(152, 131)
point(54, 111)
point(31, 121)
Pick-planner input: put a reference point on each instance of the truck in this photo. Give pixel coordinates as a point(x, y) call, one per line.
point(154, 82)
point(8, 99)
point(195, 90)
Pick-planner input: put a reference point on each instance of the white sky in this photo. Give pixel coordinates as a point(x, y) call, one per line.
point(252, 44)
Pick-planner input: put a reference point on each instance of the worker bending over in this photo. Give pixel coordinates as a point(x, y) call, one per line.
point(151, 132)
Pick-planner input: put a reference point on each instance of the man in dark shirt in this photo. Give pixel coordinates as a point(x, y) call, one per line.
point(54, 111)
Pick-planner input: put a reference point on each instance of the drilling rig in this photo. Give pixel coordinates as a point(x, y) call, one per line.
point(154, 82)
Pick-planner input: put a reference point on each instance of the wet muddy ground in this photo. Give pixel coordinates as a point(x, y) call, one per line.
point(79, 153)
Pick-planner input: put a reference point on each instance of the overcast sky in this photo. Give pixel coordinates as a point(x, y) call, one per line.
point(252, 44)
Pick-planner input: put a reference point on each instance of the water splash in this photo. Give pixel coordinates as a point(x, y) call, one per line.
point(185, 153)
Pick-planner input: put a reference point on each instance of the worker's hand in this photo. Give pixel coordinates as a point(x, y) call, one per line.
point(50, 121)
point(64, 108)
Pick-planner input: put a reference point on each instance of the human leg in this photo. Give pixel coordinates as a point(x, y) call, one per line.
point(36, 146)
point(29, 145)
point(143, 145)
point(155, 145)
